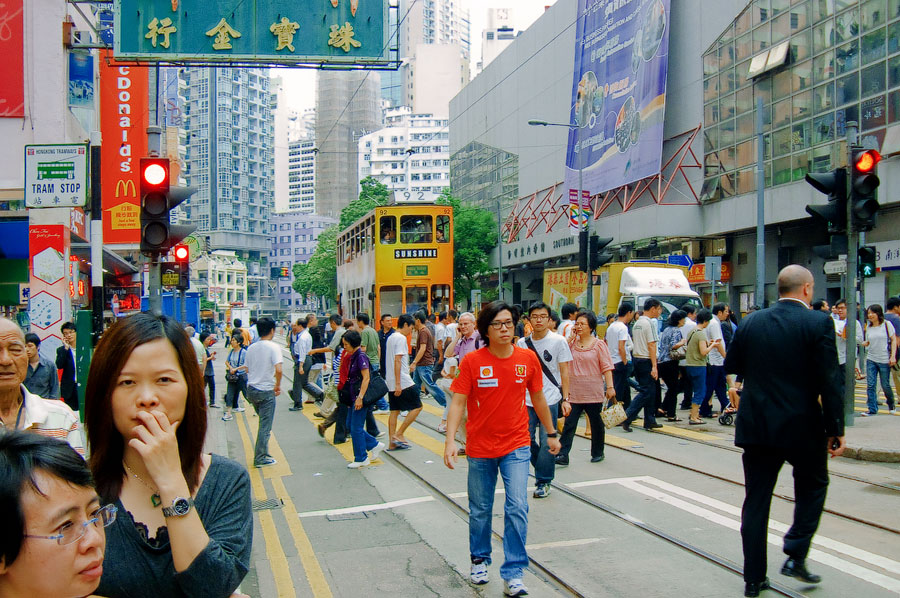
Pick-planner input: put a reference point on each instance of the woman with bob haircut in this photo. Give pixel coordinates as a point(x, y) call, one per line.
point(184, 526)
point(52, 538)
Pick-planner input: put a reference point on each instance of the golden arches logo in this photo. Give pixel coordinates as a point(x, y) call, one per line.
point(123, 186)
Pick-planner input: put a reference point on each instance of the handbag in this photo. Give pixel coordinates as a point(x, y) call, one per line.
point(376, 390)
point(679, 353)
point(613, 416)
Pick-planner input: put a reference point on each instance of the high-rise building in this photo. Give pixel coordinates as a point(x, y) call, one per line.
point(347, 107)
point(293, 237)
point(411, 155)
point(229, 139)
point(302, 176)
point(497, 35)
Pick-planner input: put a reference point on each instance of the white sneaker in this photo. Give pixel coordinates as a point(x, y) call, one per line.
point(377, 450)
point(515, 587)
point(404, 413)
point(382, 412)
point(479, 573)
point(442, 428)
point(357, 464)
point(239, 409)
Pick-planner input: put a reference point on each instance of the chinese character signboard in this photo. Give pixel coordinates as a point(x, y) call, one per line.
point(618, 93)
point(123, 123)
point(349, 32)
point(55, 175)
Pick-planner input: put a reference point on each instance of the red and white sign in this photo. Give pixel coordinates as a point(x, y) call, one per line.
point(12, 69)
point(49, 306)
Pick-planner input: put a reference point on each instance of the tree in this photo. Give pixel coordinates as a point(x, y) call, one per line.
point(372, 195)
point(319, 275)
point(475, 236)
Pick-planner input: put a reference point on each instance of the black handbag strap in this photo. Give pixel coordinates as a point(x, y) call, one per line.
point(544, 367)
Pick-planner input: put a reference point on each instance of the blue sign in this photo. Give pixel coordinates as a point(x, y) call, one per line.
point(618, 93)
point(681, 260)
point(81, 79)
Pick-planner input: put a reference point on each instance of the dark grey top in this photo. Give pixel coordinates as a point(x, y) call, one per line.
point(43, 380)
point(136, 568)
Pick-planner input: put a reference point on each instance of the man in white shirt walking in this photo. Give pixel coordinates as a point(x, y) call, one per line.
point(303, 366)
point(567, 311)
point(403, 394)
point(715, 371)
point(264, 361)
point(646, 341)
point(619, 342)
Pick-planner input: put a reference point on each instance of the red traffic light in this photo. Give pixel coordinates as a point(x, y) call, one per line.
point(182, 253)
point(154, 174)
point(866, 161)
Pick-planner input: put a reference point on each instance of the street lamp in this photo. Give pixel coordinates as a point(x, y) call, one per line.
point(589, 300)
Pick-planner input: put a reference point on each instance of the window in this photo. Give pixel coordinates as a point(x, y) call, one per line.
point(416, 299)
point(388, 228)
point(392, 300)
point(443, 229)
point(415, 229)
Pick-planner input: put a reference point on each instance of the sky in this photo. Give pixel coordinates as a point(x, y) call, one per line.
point(300, 84)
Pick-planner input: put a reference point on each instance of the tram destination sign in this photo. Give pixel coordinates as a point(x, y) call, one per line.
point(289, 32)
point(400, 254)
point(56, 175)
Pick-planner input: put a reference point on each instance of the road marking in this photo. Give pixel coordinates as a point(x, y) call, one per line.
point(842, 565)
point(676, 431)
point(420, 438)
point(607, 481)
point(562, 543)
point(311, 566)
point(284, 586)
point(345, 449)
point(373, 507)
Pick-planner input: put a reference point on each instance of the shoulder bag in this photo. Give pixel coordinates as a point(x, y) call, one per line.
point(235, 377)
point(375, 391)
point(680, 352)
point(613, 415)
point(544, 367)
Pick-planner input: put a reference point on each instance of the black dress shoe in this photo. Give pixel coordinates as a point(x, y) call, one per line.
point(797, 568)
point(654, 426)
point(626, 426)
point(295, 408)
point(562, 460)
point(597, 459)
point(753, 588)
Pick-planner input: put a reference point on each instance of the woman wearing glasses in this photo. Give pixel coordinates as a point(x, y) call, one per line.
point(184, 523)
point(52, 538)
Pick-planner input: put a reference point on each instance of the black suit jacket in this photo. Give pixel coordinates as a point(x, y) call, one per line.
point(788, 359)
point(64, 362)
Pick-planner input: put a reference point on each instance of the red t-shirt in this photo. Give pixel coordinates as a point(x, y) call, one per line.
point(498, 418)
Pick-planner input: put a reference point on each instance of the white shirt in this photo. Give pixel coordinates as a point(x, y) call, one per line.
point(303, 345)
point(552, 350)
point(686, 329)
point(713, 332)
point(254, 334)
point(451, 330)
point(879, 342)
point(440, 333)
point(618, 331)
point(262, 356)
point(199, 350)
point(841, 343)
point(646, 331)
point(396, 345)
point(565, 329)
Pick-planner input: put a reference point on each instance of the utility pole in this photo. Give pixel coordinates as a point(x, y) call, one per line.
point(760, 298)
point(154, 141)
point(850, 290)
point(97, 295)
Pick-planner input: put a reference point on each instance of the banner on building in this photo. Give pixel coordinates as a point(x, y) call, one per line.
point(124, 111)
point(618, 92)
point(12, 67)
point(578, 212)
point(81, 79)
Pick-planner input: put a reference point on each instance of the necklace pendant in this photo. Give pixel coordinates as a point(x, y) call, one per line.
point(155, 500)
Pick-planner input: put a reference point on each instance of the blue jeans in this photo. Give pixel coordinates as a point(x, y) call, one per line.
point(646, 398)
point(873, 370)
point(263, 402)
point(715, 383)
point(544, 463)
point(698, 382)
point(423, 374)
point(362, 440)
point(513, 467)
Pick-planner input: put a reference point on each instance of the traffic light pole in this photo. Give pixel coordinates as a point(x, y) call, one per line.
point(155, 285)
point(850, 293)
point(97, 294)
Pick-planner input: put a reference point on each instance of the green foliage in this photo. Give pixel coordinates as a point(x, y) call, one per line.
point(319, 275)
point(372, 194)
point(207, 304)
point(475, 236)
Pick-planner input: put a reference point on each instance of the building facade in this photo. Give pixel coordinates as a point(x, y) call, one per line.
point(497, 35)
point(839, 69)
point(411, 155)
point(302, 176)
point(221, 277)
point(293, 239)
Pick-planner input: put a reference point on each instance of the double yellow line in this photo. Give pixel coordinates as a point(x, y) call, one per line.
point(283, 583)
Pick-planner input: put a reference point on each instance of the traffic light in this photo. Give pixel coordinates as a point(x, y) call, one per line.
point(182, 259)
point(582, 250)
point(864, 187)
point(834, 213)
point(598, 256)
point(158, 197)
point(867, 256)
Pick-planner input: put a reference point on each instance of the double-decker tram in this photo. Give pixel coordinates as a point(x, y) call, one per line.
point(397, 259)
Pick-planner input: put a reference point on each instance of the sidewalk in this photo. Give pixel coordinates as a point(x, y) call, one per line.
point(873, 438)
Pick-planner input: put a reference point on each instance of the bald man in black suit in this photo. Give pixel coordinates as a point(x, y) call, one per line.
point(788, 359)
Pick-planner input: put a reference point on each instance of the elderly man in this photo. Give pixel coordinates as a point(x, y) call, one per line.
point(21, 410)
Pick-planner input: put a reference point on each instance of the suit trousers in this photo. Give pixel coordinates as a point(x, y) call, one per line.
point(761, 467)
point(646, 399)
point(620, 383)
point(301, 383)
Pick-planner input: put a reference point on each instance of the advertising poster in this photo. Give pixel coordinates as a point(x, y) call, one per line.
point(123, 124)
point(81, 79)
point(12, 69)
point(578, 213)
point(618, 92)
point(49, 305)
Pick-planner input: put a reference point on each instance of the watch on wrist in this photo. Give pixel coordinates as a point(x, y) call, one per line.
point(180, 507)
point(549, 435)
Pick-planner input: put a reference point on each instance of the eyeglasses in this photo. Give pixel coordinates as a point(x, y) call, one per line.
point(505, 324)
point(72, 532)
point(538, 318)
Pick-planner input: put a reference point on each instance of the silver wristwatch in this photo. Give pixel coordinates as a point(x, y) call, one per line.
point(180, 507)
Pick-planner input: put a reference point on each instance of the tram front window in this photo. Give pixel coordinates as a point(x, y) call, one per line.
point(388, 227)
point(415, 229)
point(391, 301)
point(416, 299)
point(442, 229)
point(440, 298)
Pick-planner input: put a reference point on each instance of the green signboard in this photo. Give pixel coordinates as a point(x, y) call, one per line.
point(291, 32)
point(417, 270)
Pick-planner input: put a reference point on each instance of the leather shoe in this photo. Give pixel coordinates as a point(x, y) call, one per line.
point(321, 429)
point(653, 426)
point(597, 459)
point(753, 588)
point(626, 427)
point(797, 568)
point(295, 408)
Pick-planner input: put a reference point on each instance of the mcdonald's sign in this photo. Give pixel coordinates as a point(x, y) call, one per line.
point(123, 125)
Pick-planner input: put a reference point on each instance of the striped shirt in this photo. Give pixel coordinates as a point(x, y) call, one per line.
point(53, 418)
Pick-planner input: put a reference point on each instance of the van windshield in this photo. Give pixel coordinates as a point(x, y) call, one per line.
point(670, 303)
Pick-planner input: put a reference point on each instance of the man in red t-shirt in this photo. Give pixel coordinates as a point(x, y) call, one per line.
point(491, 384)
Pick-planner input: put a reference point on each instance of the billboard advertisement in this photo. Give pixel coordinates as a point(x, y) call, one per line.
point(12, 69)
point(618, 92)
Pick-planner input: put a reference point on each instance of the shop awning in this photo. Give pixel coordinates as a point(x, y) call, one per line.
point(113, 263)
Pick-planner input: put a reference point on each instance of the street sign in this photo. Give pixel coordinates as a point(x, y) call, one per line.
point(170, 276)
point(835, 267)
point(681, 260)
point(56, 175)
point(713, 267)
point(290, 32)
